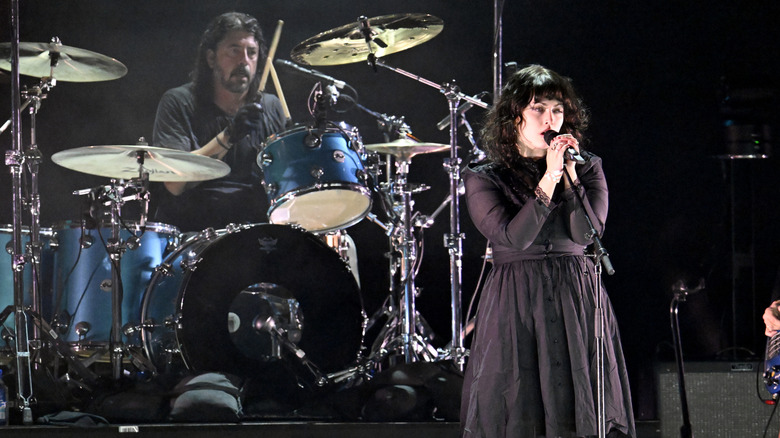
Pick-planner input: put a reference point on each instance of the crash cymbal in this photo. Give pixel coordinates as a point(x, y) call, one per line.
point(119, 161)
point(405, 148)
point(347, 44)
point(71, 64)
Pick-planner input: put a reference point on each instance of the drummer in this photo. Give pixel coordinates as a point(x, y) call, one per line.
point(222, 114)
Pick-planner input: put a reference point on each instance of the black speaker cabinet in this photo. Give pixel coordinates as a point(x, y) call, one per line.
point(723, 400)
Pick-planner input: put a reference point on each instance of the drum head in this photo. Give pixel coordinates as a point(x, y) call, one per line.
point(266, 277)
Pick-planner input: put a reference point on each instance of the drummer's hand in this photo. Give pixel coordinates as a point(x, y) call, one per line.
point(249, 118)
point(772, 318)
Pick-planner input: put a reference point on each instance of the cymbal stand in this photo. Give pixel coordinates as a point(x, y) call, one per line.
point(454, 240)
point(405, 320)
point(112, 195)
point(33, 159)
point(392, 127)
point(16, 159)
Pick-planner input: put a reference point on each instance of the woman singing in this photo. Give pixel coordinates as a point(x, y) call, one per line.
point(532, 367)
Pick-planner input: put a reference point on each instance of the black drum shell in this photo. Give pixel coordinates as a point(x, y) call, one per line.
point(196, 302)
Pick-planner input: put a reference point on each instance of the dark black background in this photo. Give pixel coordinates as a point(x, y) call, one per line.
point(654, 75)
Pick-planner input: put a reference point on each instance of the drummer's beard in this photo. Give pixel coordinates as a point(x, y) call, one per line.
point(237, 82)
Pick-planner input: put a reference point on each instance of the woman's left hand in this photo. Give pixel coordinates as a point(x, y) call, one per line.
point(563, 142)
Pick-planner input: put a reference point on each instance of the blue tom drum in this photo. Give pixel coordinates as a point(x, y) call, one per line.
point(82, 278)
point(315, 178)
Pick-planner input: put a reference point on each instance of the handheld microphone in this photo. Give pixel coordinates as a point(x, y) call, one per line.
point(309, 72)
point(571, 153)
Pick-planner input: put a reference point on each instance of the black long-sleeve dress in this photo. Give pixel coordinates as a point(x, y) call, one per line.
point(532, 364)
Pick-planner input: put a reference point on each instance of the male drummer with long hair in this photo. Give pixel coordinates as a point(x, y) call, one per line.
point(221, 114)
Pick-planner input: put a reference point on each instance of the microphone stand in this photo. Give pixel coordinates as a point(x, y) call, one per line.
point(601, 258)
point(680, 294)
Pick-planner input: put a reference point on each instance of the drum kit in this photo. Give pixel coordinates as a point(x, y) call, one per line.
point(227, 299)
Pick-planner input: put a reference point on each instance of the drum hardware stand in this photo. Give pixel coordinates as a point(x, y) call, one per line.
point(412, 344)
point(113, 195)
point(453, 241)
point(601, 257)
point(389, 126)
point(16, 158)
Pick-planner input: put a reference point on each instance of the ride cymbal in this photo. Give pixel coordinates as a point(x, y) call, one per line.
point(387, 34)
point(405, 148)
point(162, 164)
point(63, 63)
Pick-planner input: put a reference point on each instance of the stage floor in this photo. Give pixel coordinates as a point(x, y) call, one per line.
point(267, 430)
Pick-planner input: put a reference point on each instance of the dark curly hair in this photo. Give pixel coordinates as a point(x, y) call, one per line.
point(500, 134)
point(215, 32)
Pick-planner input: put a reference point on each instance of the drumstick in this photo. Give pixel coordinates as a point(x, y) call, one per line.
point(271, 53)
point(279, 91)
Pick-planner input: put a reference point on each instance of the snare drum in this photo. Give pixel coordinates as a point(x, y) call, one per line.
point(220, 300)
point(315, 178)
point(83, 280)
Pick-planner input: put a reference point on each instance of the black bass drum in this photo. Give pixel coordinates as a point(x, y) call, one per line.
point(239, 300)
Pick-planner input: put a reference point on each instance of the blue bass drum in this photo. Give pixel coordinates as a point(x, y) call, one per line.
point(315, 179)
point(235, 301)
point(82, 279)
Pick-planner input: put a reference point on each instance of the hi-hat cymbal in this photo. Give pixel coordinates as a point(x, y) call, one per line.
point(162, 164)
point(405, 148)
point(71, 64)
point(347, 44)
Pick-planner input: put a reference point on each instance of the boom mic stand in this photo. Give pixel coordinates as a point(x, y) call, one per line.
point(601, 259)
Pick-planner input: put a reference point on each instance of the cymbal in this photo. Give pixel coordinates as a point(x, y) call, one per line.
point(73, 65)
point(405, 148)
point(347, 44)
point(162, 164)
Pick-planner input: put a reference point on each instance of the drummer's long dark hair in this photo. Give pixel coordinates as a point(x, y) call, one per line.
point(500, 133)
point(202, 75)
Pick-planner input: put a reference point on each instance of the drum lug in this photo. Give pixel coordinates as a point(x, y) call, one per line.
point(209, 233)
point(233, 228)
point(172, 322)
point(317, 172)
point(190, 265)
point(132, 243)
point(86, 241)
point(164, 269)
point(312, 140)
point(266, 159)
point(361, 175)
point(272, 188)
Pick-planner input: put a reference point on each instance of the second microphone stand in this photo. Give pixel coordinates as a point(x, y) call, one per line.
point(602, 260)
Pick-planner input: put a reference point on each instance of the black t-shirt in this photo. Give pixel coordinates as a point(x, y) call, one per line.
point(235, 198)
